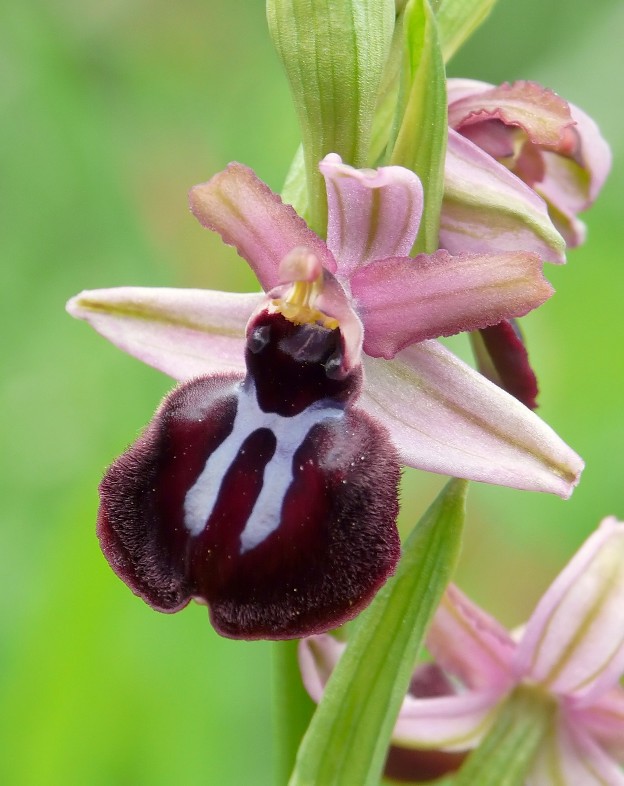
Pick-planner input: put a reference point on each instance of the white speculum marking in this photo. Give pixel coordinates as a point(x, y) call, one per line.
point(278, 475)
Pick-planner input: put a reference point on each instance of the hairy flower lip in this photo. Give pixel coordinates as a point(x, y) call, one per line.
point(207, 502)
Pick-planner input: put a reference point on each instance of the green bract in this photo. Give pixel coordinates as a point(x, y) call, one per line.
point(334, 53)
point(457, 21)
point(421, 141)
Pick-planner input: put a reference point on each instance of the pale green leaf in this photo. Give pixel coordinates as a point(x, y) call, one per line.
point(348, 737)
point(457, 21)
point(385, 116)
point(334, 53)
point(421, 140)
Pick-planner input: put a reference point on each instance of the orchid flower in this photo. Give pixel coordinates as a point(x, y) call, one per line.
point(522, 138)
point(266, 484)
point(570, 653)
point(550, 144)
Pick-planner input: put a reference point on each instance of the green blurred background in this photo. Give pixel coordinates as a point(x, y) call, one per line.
point(110, 112)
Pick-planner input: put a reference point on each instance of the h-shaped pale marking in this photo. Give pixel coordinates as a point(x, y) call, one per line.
point(289, 432)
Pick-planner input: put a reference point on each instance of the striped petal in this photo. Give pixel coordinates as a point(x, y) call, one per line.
point(604, 720)
point(445, 417)
point(373, 213)
point(569, 757)
point(564, 187)
point(574, 642)
point(183, 332)
point(486, 208)
point(448, 722)
point(403, 301)
point(249, 216)
point(470, 644)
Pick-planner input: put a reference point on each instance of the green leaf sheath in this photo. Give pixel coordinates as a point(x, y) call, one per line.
point(421, 141)
point(385, 117)
point(457, 21)
point(334, 53)
point(348, 737)
point(506, 753)
point(292, 707)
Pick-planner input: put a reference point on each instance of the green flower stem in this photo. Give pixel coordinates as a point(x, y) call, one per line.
point(347, 741)
point(292, 708)
point(505, 755)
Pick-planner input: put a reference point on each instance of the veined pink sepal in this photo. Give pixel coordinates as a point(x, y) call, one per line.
point(249, 216)
point(399, 298)
point(182, 332)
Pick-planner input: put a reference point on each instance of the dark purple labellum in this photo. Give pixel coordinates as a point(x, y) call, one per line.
point(508, 361)
point(407, 765)
point(271, 498)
